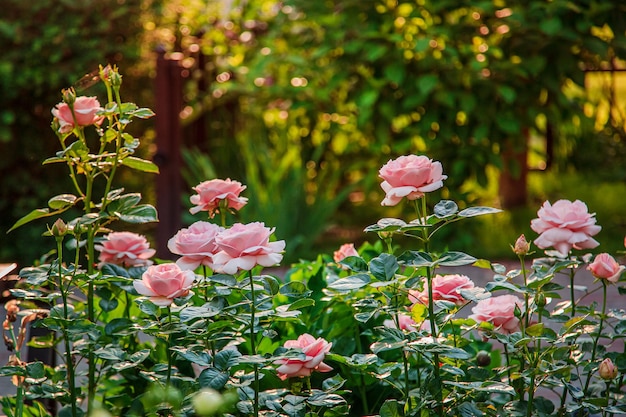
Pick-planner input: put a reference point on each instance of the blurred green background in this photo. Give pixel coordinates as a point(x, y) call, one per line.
point(303, 101)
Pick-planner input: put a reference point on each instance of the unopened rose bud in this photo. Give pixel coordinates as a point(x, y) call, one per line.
point(69, 96)
point(521, 247)
point(59, 228)
point(541, 300)
point(207, 402)
point(12, 309)
point(607, 370)
point(115, 78)
point(483, 358)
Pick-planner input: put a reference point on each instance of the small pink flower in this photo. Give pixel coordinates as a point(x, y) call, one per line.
point(499, 311)
point(212, 193)
point(244, 246)
point(445, 288)
point(410, 176)
point(162, 283)
point(565, 225)
point(196, 244)
point(406, 323)
point(604, 266)
point(126, 249)
point(347, 249)
point(607, 370)
point(314, 350)
point(85, 109)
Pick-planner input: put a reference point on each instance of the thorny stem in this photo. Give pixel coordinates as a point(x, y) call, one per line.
point(167, 347)
point(598, 333)
point(253, 344)
point(69, 362)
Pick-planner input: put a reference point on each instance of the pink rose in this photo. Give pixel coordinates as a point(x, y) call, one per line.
point(126, 249)
point(445, 288)
point(314, 350)
point(196, 244)
point(565, 225)
point(244, 246)
point(406, 323)
point(345, 250)
point(410, 176)
point(499, 311)
point(604, 266)
point(162, 283)
point(85, 109)
point(212, 193)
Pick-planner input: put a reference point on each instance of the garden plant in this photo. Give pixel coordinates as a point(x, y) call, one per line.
point(381, 330)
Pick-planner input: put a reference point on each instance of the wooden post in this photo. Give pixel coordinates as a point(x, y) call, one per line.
point(169, 102)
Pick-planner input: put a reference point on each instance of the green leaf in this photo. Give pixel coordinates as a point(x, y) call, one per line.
point(112, 270)
point(192, 313)
point(354, 263)
point(352, 282)
point(416, 259)
point(390, 408)
point(213, 378)
point(34, 215)
point(445, 208)
point(119, 326)
point(455, 259)
point(301, 303)
point(507, 93)
point(384, 266)
point(144, 213)
point(271, 284)
point(199, 358)
point(478, 211)
point(226, 359)
point(427, 83)
point(295, 289)
point(140, 164)
point(62, 201)
point(142, 113)
point(123, 203)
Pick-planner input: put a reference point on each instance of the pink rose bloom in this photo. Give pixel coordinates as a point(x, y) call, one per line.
point(604, 266)
point(314, 350)
point(410, 176)
point(162, 283)
point(244, 246)
point(445, 288)
point(345, 250)
point(126, 249)
point(85, 109)
point(212, 193)
point(406, 323)
point(565, 225)
point(499, 311)
point(196, 244)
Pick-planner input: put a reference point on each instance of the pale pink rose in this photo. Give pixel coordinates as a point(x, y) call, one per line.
point(314, 350)
point(410, 176)
point(244, 246)
point(499, 311)
point(604, 266)
point(565, 225)
point(196, 244)
point(162, 283)
point(445, 288)
point(212, 193)
point(85, 109)
point(126, 249)
point(345, 250)
point(405, 321)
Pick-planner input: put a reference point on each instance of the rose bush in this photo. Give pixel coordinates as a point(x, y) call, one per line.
point(382, 330)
